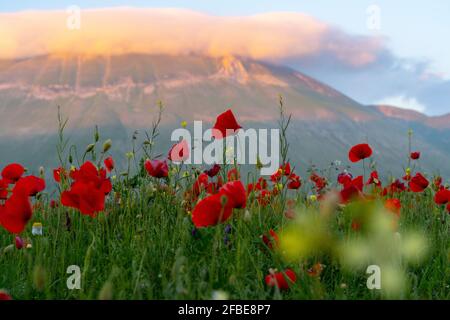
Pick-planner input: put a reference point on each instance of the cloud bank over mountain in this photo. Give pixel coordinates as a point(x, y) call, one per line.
point(360, 66)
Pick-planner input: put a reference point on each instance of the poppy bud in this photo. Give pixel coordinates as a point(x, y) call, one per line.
point(41, 171)
point(90, 147)
point(70, 159)
point(107, 145)
point(19, 242)
point(96, 134)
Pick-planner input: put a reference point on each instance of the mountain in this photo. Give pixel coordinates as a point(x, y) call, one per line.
point(437, 122)
point(119, 93)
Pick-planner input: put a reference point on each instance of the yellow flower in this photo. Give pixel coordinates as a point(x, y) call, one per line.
point(183, 124)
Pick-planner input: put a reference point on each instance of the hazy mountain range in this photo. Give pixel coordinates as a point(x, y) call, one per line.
point(119, 93)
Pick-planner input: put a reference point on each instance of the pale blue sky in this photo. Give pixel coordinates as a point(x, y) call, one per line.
point(415, 30)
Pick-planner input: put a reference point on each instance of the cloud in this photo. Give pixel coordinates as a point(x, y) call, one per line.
point(404, 102)
point(277, 36)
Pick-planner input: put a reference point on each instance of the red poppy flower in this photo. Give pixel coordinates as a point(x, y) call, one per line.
point(109, 164)
point(179, 152)
point(344, 178)
point(418, 183)
point(87, 192)
point(393, 205)
point(294, 182)
point(281, 279)
point(271, 240)
point(320, 182)
point(213, 171)
point(3, 189)
point(53, 204)
point(235, 192)
point(415, 155)
point(374, 179)
point(211, 211)
point(395, 187)
point(261, 184)
point(264, 198)
point(4, 296)
point(157, 168)
point(225, 125)
point(233, 175)
point(284, 170)
point(30, 185)
point(448, 207)
point(437, 182)
point(16, 212)
point(442, 197)
point(360, 152)
point(13, 172)
point(200, 184)
point(59, 173)
point(84, 197)
point(352, 189)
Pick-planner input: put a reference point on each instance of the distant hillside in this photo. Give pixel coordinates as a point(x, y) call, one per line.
point(119, 93)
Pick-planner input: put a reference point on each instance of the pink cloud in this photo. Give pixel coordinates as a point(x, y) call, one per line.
point(270, 36)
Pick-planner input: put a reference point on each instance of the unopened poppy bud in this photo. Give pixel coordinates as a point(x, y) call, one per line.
point(39, 277)
point(259, 164)
point(107, 145)
point(96, 134)
point(90, 147)
point(70, 159)
point(408, 171)
point(41, 171)
point(147, 142)
point(19, 242)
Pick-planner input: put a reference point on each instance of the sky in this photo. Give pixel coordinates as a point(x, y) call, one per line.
point(400, 47)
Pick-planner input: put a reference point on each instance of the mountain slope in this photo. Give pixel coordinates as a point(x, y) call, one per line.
point(119, 94)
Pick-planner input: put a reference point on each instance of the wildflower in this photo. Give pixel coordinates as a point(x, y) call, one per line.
point(87, 192)
point(233, 175)
point(374, 179)
point(157, 168)
point(19, 242)
point(235, 192)
point(200, 184)
point(36, 230)
point(183, 124)
point(271, 240)
point(360, 152)
point(213, 171)
point(344, 178)
point(442, 197)
point(225, 123)
point(107, 145)
point(281, 279)
point(211, 211)
point(294, 182)
point(352, 189)
point(415, 155)
point(13, 172)
point(313, 198)
point(4, 296)
point(109, 164)
point(16, 212)
point(418, 183)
